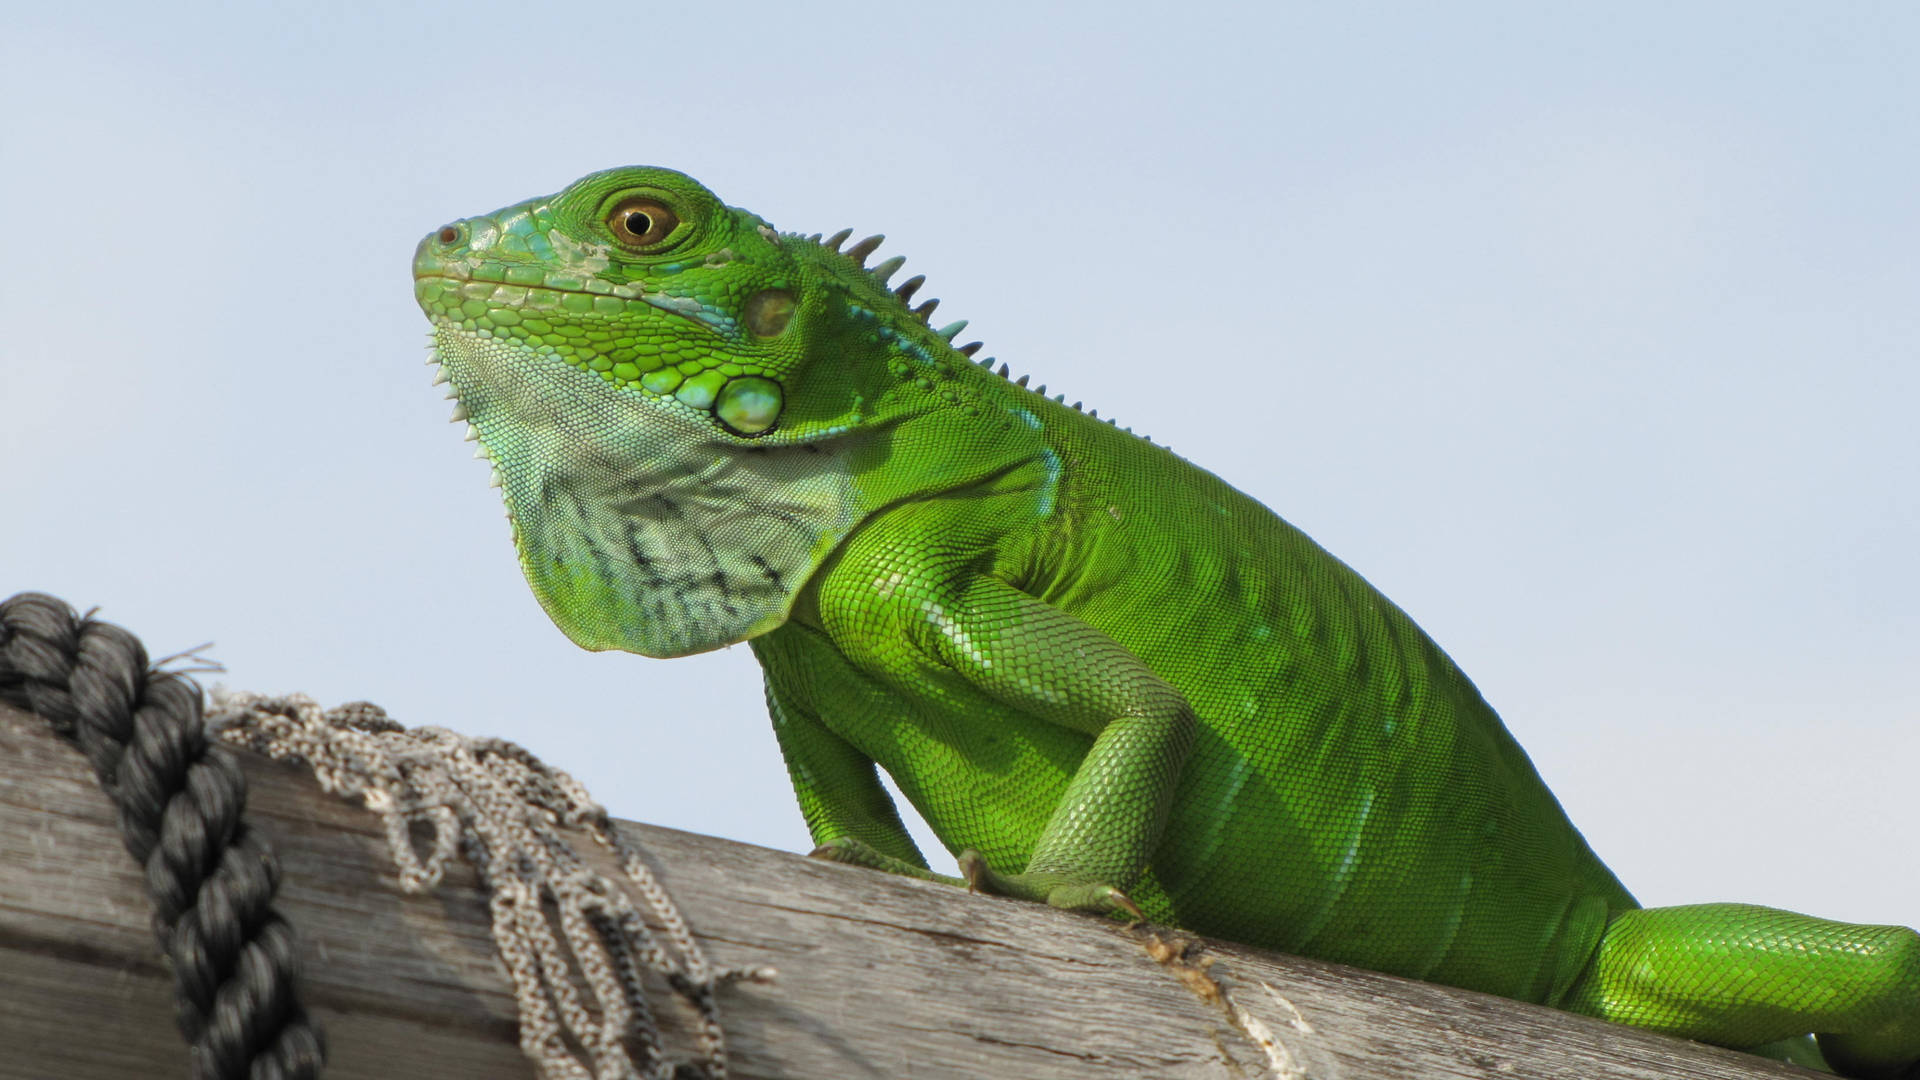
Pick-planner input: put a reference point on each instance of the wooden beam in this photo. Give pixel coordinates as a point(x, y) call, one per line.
point(879, 976)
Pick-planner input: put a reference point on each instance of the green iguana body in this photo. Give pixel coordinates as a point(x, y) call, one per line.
point(1106, 678)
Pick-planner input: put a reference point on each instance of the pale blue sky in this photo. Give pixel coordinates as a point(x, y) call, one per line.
point(1587, 332)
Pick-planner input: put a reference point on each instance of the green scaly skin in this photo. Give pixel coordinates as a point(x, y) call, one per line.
point(1108, 680)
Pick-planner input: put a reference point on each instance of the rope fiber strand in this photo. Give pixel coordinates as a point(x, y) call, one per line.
point(211, 878)
point(505, 811)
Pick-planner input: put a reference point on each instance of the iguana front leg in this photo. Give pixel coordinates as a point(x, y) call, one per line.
point(913, 613)
point(840, 793)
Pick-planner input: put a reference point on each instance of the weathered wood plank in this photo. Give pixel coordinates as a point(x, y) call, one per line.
point(879, 976)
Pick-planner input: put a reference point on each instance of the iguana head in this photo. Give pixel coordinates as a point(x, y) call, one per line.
point(684, 408)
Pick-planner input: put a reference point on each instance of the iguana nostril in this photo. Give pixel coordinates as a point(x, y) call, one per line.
point(449, 235)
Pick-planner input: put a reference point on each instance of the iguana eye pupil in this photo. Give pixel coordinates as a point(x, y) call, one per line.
point(641, 223)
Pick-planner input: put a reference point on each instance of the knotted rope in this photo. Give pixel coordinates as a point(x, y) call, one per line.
point(211, 878)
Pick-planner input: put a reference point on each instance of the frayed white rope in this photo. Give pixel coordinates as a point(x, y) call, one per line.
point(505, 810)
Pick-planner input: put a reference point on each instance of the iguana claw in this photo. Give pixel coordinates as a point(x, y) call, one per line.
point(973, 867)
point(846, 849)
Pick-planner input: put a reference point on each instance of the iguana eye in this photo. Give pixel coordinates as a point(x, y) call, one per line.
point(642, 223)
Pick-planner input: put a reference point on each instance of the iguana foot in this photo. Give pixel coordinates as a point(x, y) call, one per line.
point(859, 853)
point(1060, 890)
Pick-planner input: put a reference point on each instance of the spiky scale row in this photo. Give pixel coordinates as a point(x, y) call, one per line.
point(884, 271)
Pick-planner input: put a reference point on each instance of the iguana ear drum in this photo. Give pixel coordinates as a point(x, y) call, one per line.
point(749, 405)
point(769, 312)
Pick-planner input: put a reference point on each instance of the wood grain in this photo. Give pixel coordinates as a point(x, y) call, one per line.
point(879, 976)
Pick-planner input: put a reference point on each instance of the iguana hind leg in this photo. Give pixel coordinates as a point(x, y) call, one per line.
point(1741, 975)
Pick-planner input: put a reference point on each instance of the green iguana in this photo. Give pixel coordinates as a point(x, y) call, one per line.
point(1108, 680)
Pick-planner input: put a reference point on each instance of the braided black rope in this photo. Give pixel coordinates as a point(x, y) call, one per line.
point(211, 878)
